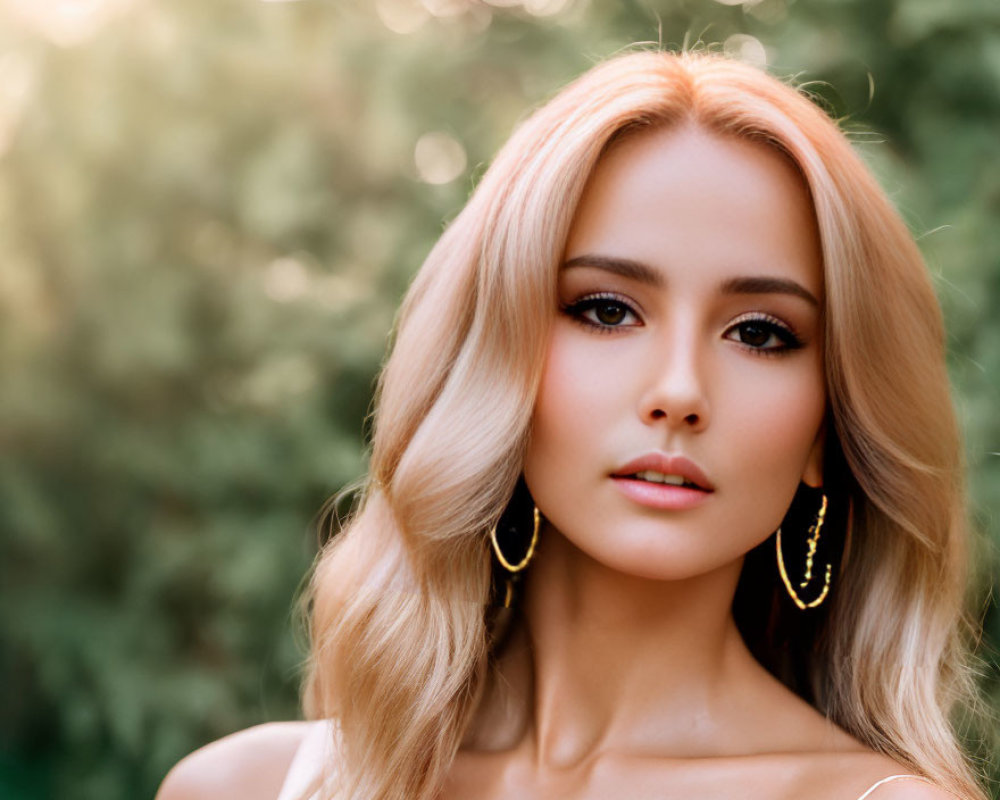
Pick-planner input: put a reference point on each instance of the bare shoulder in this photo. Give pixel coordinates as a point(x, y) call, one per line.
point(873, 776)
point(250, 765)
point(909, 789)
point(828, 763)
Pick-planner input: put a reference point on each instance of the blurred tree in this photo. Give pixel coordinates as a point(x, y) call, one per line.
point(208, 213)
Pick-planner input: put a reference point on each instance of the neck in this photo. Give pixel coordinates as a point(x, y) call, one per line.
point(603, 659)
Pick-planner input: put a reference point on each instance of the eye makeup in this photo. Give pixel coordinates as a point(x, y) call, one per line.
point(607, 312)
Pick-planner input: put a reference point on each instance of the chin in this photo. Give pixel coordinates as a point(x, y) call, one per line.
point(652, 556)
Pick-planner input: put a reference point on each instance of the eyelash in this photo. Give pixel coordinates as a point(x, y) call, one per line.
point(576, 310)
point(784, 332)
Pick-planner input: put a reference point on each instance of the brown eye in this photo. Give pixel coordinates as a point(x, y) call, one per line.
point(603, 314)
point(610, 313)
point(764, 336)
point(755, 334)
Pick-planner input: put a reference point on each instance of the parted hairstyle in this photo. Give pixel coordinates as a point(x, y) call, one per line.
point(400, 600)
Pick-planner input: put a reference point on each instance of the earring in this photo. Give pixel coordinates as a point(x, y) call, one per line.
point(813, 534)
point(514, 569)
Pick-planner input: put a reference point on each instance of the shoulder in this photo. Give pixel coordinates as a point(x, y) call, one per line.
point(896, 782)
point(909, 789)
point(853, 775)
point(250, 765)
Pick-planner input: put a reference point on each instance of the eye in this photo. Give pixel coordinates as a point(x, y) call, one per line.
point(603, 312)
point(764, 335)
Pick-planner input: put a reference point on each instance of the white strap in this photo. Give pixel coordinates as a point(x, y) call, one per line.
point(874, 786)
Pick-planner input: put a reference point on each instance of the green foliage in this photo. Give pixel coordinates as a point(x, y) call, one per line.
point(208, 214)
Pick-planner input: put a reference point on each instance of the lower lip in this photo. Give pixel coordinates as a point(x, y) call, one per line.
point(660, 495)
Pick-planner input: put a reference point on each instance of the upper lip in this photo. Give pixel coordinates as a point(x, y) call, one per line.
point(668, 465)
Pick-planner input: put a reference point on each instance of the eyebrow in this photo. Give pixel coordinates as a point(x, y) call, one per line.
point(643, 273)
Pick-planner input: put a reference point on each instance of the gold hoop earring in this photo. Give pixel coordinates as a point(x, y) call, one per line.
point(513, 569)
point(814, 531)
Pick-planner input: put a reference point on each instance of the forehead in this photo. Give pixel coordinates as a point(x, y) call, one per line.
point(699, 208)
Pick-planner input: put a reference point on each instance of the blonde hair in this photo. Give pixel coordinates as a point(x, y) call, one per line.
point(399, 626)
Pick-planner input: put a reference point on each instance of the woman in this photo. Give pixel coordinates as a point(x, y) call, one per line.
point(666, 492)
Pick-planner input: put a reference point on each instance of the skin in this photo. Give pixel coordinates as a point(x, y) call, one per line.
point(625, 675)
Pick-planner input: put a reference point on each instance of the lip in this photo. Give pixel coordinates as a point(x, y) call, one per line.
point(668, 465)
point(660, 495)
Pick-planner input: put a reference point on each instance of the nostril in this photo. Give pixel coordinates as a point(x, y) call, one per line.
point(659, 414)
point(692, 418)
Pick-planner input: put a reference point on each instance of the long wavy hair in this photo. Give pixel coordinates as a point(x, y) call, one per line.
point(400, 600)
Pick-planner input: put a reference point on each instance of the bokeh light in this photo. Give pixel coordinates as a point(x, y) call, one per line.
point(546, 8)
point(402, 16)
point(746, 48)
point(439, 157)
point(65, 22)
point(286, 279)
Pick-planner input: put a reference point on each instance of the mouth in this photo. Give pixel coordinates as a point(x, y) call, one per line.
point(650, 476)
point(660, 469)
point(661, 491)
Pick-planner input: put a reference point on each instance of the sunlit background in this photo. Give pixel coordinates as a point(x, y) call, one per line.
point(209, 210)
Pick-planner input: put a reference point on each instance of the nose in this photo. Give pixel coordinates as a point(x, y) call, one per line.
point(674, 390)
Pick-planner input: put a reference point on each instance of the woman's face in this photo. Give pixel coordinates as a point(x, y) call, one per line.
point(689, 325)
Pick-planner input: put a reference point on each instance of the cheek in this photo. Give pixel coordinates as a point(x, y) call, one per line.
point(576, 392)
point(783, 414)
point(575, 402)
point(772, 419)
point(560, 409)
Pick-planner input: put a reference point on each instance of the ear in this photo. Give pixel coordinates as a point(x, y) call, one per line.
point(812, 475)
